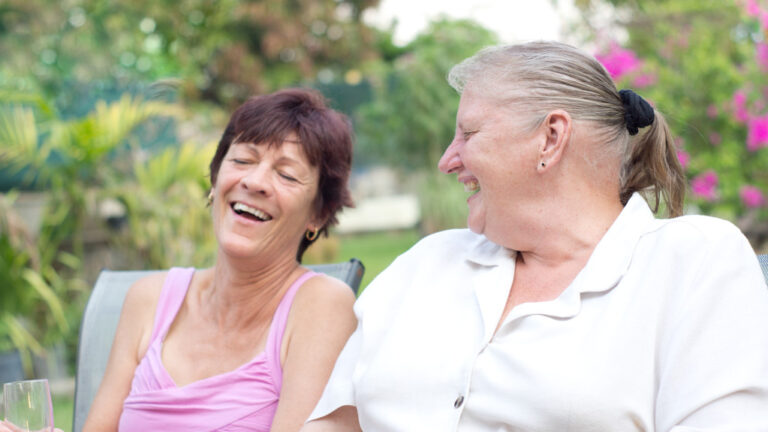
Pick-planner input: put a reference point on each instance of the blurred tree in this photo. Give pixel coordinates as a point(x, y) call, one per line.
point(45, 278)
point(412, 117)
point(221, 51)
point(704, 64)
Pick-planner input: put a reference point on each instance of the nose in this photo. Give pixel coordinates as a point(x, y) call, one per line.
point(258, 179)
point(450, 162)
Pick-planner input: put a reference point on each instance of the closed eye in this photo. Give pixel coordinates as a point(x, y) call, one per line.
point(467, 135)
point(238, 161)
point(287, 177)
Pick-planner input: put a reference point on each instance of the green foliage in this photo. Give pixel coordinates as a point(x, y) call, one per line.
point(168, 221)
point(701, 54)
point(25, 294)
point(443, 203)
point(412, 117)
point(223, 51)
point(44, 274)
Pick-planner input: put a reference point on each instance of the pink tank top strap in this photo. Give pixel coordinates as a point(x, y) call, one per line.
point(171, 298)
point(277, 328)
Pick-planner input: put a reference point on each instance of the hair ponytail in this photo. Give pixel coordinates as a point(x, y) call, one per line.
point(651, 167)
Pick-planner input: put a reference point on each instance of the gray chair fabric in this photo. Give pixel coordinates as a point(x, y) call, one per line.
point(102, 313)
point(763, 260)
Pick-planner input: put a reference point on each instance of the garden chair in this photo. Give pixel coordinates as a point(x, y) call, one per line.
point(103, 312)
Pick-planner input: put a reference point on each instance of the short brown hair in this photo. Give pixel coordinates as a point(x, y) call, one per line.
point(325, 136)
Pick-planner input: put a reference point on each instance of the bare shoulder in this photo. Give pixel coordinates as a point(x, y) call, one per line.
point(320, 321)
point(323, 302)
point(145, 292)
point(138, 315)
point(323, 293)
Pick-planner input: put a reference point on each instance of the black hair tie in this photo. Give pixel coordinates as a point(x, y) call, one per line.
point(637, 112)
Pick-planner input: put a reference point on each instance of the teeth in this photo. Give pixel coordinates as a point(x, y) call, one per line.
point(471, 186)
point(242, 208)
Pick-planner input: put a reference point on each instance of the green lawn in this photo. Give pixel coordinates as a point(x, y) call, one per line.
point(62, 412)
point(376, 250)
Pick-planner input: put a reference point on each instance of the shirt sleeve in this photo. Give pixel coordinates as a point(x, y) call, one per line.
point(374, 310)
point(713, 363)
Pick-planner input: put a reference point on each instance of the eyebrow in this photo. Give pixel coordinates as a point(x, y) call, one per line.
point(284, 158)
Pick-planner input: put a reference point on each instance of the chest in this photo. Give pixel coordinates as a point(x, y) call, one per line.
point(192, 350)
point(541, 373)
point(571, 363)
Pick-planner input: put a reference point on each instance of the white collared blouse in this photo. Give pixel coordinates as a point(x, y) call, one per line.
point(665, 329)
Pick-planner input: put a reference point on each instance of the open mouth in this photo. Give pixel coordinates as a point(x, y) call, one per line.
point(471, 186)
point(250, 212)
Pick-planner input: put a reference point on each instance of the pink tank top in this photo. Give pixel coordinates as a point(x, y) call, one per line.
point(244, 399)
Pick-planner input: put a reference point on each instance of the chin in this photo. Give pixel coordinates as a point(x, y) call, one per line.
point(475, 226)
point(235, 248)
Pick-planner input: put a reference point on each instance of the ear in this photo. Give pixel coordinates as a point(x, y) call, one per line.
point(315, 223)
point(557, 128)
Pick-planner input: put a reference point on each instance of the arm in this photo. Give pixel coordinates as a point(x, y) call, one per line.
point(320, 321)
point(713, 373)
point(343, 419)
point(130, 344)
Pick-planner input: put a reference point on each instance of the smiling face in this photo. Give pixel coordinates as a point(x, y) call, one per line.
point(263, 199)
point(495, 155)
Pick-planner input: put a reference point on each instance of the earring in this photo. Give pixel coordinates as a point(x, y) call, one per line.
point(543, 164)
point(210, 198)
point(311, 235)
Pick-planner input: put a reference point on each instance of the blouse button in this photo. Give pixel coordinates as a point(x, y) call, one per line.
point(459, 401)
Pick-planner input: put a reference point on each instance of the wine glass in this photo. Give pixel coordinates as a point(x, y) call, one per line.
point(27, 406)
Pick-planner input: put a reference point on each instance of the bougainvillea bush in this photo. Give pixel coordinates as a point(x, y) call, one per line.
point(704, 64)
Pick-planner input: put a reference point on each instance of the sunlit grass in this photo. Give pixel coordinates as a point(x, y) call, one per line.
point(376, 250)
point(63, 411)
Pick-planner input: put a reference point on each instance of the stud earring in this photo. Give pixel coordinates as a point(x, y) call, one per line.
point(311, 235)
point(543, 164)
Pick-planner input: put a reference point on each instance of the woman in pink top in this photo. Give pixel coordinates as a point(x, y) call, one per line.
point(249, 343)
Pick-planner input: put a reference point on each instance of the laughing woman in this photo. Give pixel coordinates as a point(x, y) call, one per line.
point(249, 343)
point(567, 305)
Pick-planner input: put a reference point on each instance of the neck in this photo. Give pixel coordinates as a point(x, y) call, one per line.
point(579, 201)
point(565, 223)
point(244, 293)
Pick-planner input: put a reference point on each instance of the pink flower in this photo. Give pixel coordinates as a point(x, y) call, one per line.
point(715, 139)
point(751, 196)
point(739, 99)
point(644, 80)
point(684, 158)
point(712, 111)
point(757, 133)
point(752, 8)
point(705, 186)
point(740, 106)
point(618, 61)
point(762, 55)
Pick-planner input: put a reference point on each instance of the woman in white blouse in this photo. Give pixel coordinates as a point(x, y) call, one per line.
point(566, 305)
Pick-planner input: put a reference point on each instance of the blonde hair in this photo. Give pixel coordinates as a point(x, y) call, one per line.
point(539, 77)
